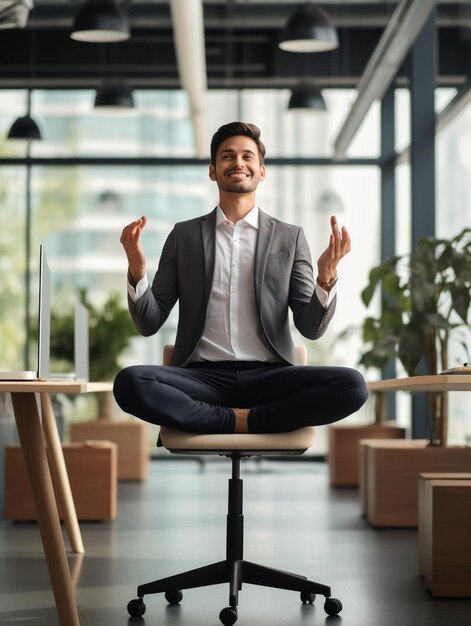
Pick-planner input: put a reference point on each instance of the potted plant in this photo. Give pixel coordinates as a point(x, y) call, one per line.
point(425, 304)
point(111, 329)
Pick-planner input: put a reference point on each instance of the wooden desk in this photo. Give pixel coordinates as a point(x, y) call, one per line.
point(437, 382)
point(38, 436)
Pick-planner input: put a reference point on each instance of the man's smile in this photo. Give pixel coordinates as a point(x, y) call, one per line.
point(238, 175)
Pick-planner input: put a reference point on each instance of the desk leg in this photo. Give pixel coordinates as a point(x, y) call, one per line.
point(32, 443)
point(60, 478)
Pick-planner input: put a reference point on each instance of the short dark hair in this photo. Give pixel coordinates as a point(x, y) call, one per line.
point(235, 129)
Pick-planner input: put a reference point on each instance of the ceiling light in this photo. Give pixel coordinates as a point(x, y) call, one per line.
point(25, 129)
point(309, 29)
point(114, 94)
point(101, 21)
point(306, 97)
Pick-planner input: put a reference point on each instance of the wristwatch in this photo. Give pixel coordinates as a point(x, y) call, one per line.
point(327, 286)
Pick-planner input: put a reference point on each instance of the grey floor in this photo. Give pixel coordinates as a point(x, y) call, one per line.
point(176, 521)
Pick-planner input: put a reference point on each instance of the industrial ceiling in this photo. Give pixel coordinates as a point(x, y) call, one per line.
point(240, 42)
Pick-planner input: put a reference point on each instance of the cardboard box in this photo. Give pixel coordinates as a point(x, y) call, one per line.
point(130, 437)
point(422, 482)
point(92, 470)
point(445, 532)
point(390, 475)
point(344, 455)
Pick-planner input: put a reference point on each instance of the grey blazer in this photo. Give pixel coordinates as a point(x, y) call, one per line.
point(283, 279)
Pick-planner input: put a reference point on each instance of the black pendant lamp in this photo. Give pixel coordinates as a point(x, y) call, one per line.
point(25, 128)
point(306, 97)
point(101, 21)
point(114, 94)
point(309, 29)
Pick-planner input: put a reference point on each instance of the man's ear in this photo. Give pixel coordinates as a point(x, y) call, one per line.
point(212, 172)
point(263, 172)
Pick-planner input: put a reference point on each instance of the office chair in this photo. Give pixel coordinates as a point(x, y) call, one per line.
point(234, 569)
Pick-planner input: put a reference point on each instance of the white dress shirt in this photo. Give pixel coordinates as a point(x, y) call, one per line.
point(232, 330)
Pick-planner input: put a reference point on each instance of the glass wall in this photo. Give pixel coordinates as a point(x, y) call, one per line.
point(453, 215)
point(12, 267)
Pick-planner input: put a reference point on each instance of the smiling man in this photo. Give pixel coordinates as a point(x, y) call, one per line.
point(236, 272)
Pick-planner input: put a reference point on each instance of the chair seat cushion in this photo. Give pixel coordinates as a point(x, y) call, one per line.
point(182, 442)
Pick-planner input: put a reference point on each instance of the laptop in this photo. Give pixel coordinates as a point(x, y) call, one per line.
point(81, 354)
point(44, 326)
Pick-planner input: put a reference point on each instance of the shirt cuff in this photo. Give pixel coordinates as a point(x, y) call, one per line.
point(325, 297)
point(136, 292)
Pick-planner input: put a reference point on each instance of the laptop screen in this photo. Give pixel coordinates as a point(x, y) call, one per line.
point(44, 320)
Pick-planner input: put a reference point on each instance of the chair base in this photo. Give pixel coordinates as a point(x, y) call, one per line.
point(235, 573)
point(234, 570)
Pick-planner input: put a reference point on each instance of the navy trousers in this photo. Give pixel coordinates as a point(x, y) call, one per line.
point(199, 398)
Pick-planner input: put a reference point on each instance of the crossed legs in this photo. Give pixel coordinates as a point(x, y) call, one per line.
point(268, 397)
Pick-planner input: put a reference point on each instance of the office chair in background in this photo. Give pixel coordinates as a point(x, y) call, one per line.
point(234, 569)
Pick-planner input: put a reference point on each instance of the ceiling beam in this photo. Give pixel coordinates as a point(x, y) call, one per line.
point(403, 27)
point(457, 104)
point(188, 29)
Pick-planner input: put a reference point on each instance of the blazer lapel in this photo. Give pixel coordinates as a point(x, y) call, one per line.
point(266, 229)
point(208, 237)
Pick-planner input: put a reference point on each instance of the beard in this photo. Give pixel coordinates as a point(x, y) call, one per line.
point(238, 187)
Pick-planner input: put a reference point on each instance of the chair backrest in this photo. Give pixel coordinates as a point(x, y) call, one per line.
point(300, 351)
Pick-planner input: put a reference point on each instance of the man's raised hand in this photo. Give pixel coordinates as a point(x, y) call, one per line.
point(131, 241)
point(339, 245)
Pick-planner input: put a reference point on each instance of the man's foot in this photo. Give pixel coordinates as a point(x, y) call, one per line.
point(241, 422)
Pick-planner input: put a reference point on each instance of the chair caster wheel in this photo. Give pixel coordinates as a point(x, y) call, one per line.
point(136, 608)
point(173, 596)
point(332, 606)
point(228, 616)
point(307, 597)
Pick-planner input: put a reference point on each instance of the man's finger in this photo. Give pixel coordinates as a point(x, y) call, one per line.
point(347, 244)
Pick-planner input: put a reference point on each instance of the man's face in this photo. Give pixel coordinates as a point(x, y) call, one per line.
point(237, 168)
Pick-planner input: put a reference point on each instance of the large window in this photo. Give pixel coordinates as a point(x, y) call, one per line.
point(12, 268)
point(454, 214)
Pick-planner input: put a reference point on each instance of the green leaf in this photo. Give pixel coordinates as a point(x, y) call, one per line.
point(411, 349)
point(461, 298)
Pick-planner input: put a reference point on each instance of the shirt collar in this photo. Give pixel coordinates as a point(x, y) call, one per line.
point(251, 218)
